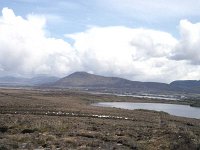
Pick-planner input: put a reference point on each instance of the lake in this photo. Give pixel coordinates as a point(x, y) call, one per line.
point(173, 109)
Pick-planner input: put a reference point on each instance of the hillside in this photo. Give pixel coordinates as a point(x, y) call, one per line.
point(13, 81)
point(92, 81)
point(83, 79)
point(20, 81)
point(102, 83)
point(186, 85)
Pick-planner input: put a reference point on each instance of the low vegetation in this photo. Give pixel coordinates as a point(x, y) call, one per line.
point(195, 104)
point(64, 119)
point(193, 101)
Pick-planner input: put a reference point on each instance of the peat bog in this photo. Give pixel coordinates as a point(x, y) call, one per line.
point(65, 119)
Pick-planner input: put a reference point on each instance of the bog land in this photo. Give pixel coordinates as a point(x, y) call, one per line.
point(65, 119)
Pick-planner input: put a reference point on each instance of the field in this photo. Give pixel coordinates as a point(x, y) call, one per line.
point(65, 119)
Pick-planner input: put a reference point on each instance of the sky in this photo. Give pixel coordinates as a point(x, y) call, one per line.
point(148, 40)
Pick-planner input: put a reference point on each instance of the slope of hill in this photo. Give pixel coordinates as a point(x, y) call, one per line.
point(87, 80)
point(111, 84)
point(19, 81)
point(83, 79)
point(186, 85)
point(40, 80)
point(13, 81)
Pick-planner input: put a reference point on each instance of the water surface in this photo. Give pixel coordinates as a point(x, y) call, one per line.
point(173, 109)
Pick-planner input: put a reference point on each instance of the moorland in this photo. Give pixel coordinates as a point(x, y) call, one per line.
point(65, 119)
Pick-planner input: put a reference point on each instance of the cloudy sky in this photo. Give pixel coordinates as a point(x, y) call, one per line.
point(148, 40)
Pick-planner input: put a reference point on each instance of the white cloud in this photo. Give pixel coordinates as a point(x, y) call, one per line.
point(133, 53)
point(189, 46)
point(25, 48)
point(138, 54)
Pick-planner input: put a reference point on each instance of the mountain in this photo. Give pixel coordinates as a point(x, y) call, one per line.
point(92, 81)
point(102, 83)
point(20, 81)
point(13, 81)
point(186, 85)
point(40, 80)
point(84, 79)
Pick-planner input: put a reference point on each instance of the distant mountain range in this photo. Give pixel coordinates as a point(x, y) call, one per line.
point(91, 81)
point(186, 85)
point(96, 82)
point(19, 81)
point(84, 79)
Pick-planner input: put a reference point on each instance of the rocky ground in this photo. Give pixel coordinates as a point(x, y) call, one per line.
point(64, 119)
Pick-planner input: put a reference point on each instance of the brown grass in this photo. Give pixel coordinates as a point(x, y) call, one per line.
point(32, 119)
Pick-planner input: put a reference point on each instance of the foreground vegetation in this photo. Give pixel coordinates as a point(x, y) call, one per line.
point(58, 119)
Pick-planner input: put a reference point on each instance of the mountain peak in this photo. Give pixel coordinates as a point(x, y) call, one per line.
point(80, 73)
